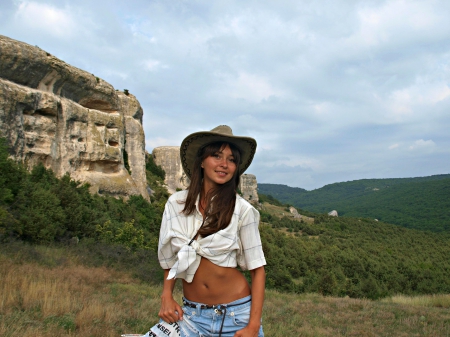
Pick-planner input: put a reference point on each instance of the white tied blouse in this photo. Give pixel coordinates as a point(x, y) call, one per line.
point(238, 243)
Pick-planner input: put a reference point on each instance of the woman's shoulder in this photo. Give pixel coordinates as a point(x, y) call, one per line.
point(243, 205)
point(178, 196)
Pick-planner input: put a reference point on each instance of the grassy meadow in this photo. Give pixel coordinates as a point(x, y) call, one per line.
point(50, 291)
point(77, 264)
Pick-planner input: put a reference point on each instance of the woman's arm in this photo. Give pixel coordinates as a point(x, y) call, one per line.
point(258, 276)
point(170, 310)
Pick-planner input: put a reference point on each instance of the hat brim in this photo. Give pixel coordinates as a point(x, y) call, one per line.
point(192, 143)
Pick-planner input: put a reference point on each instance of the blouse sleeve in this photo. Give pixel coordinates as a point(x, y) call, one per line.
point(251, 254)
point(167, 256)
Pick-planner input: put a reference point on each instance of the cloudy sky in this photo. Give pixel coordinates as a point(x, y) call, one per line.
point(331, 90)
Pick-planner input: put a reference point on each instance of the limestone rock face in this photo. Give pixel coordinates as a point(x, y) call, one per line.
point(34, 68)
point(249, 187)
point(333, 213)
point(71, 121)
point(168, 157)
point(294, 211)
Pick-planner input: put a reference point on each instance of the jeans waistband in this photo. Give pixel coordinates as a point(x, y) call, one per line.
point(219, 309)
point(239, 301)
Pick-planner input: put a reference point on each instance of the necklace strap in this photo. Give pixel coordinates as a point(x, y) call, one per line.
point(196, 234)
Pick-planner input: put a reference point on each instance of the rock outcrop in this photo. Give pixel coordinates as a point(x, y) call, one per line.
point(168, 157)
point(294, 212)
point(333, 213)
point(71, 121)
point(249, 188)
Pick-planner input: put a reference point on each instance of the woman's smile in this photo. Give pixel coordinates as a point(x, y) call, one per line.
point(219, 168)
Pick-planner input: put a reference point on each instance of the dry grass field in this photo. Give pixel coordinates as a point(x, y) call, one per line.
point(71, 299)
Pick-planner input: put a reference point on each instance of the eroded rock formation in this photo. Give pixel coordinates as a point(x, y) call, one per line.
point(249, 188)
point(168, 157)
point(294, 212)
point(71, 121)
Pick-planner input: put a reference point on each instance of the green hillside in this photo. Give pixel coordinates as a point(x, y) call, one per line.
point(344, 256)
point(38, 208)
point(420, 203)
point(356, 257)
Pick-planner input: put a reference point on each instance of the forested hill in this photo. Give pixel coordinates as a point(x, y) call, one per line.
point(342, 256)
point(421, 203)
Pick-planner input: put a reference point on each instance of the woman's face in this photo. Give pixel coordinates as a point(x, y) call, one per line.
point(219, 168)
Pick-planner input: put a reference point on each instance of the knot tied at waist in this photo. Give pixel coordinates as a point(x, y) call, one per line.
point(187, 256)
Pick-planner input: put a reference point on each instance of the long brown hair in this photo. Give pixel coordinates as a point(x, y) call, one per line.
point(220, 200)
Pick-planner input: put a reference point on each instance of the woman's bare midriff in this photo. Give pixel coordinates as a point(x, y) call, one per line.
point(213, 284)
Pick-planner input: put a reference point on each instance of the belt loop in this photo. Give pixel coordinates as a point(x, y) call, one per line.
point(198, 309)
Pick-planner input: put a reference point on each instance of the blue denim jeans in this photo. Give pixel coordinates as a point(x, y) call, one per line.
point(198, 322)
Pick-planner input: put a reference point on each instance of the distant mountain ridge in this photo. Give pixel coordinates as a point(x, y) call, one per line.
point(421, 203)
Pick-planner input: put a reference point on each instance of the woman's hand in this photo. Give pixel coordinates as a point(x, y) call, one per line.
point(258, 287)
point(170, 310)
point(248, 331)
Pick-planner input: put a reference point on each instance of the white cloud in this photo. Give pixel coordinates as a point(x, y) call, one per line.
point(416, 100)
point(393, 146)
point(400, 103)
point(250, 87)
point(401, 21)
point(422, 145)
point(153, 65)
point(46, 18)
point(435, 93)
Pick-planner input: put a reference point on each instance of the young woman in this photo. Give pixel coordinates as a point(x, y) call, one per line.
point(206, 232)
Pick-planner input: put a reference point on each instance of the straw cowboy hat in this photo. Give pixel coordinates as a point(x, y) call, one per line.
point(222, 133)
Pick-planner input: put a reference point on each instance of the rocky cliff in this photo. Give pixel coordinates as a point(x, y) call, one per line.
point(71, 121)
point(249, 188)
point(168, 157)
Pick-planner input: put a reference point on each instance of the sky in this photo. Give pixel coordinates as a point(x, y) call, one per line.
point(332, 91)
